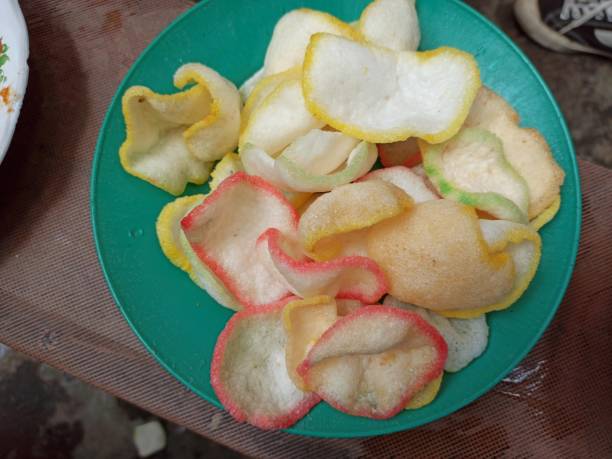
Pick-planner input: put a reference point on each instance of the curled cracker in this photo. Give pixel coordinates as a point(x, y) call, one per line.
point(249, 373)
point(345, 210)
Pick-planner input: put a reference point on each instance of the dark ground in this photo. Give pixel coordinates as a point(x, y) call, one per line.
point(47, 414)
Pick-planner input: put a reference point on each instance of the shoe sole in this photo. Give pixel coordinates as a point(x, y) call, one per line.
point(527, 13)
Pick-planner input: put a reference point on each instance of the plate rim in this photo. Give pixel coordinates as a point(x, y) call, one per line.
point(13, 7)
point(574, 175)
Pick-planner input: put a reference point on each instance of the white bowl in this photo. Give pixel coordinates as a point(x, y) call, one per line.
point(14, 72)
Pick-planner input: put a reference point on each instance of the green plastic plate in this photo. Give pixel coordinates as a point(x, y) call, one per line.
point(179, 323)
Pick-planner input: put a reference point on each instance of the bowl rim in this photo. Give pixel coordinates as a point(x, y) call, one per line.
point(20, 32)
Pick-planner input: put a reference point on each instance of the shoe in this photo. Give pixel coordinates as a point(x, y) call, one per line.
point(568, 25)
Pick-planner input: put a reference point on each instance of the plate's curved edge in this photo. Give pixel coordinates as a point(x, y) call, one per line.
point(382, 431)
point(24, 43)
point(92, 204)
